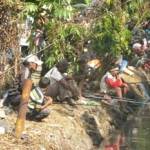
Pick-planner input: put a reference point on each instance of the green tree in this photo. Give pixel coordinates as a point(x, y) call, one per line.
point(105, 25)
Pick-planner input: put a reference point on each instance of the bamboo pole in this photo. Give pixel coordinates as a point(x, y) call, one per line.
point(20, 123)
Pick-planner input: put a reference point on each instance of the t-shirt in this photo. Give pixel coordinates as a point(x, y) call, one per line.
point(36, 98)
point(109, 81)
point(24, 73)
point(24, 39)
point(112, 82)
point(54, 75)
point(103, 85)
point(34, 76)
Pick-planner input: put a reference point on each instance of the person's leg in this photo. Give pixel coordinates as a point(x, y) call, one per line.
point(118, 92)
point(35, 115)
point(52, 90)
point(125, 90)
point(107, 98)
point(66, 95)
point(42, 114)
point(81, 88)
point(63, 93)
point(75, 89)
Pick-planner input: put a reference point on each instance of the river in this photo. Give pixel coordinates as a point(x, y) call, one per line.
point(139, 131)
point(134, 134)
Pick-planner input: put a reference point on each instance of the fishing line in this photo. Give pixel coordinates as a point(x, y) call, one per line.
point(1, 75)
point(118, 99)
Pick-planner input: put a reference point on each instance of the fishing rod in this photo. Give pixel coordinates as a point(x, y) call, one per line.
point(82, 104)
point(89, 103)
point(1, 75)
point(147, 81)
point(118, 99)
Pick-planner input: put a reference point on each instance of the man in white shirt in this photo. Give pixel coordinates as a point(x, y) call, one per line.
point(54, 75)
point(61, 85)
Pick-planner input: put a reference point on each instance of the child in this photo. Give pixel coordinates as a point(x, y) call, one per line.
point(38, 102)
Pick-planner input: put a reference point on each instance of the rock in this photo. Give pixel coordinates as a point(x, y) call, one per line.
point(2, 130)
point(92, 128)
point(2, 114)
point(4, 127)
point(1, 103)
point(42, 147)
point(8, 110)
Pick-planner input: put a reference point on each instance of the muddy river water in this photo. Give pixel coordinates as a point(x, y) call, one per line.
point(135, 133)
point(138, 137)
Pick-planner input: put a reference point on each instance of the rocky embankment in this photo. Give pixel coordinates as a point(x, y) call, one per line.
point(84, 127)
point(67, 128)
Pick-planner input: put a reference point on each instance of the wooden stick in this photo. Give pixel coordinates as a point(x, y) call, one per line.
point(20, 123)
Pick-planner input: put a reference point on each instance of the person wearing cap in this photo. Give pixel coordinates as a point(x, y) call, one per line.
point(112, 82)
point(62, 86)
point(32, 69)
point(141, 47)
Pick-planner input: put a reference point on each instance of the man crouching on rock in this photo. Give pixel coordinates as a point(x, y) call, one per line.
point(62, 87)
point(38, 102)
point(111, 82)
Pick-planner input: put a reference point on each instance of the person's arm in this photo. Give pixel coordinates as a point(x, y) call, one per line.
point(64, 83)
point(68, 77)
point(48, 102)
point(68, 86)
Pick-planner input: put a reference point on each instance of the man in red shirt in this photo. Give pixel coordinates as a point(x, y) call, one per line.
point(111, 81)
point(114, 81)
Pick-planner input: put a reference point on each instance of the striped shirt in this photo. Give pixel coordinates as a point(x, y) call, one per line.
point(36, 98)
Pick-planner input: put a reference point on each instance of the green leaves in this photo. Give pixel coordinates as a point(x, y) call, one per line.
point(108, 2)
point(63, 12)
point(88, 1)
point(64, 38)
point(30, 8)
point(110, 35)
point(66, 29)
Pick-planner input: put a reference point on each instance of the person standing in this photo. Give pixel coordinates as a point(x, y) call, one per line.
point(32, 69)
point(33, 64)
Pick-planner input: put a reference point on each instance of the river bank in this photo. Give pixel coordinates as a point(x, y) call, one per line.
point(88, 126)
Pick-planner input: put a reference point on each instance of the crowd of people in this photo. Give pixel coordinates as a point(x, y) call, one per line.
point(112, 82)
point(57, 85)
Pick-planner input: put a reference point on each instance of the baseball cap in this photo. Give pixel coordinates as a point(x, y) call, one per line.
point(136, 46)
point(34, 59)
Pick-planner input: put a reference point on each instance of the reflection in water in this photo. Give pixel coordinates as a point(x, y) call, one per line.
point(135, 134)
point(139, 133)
